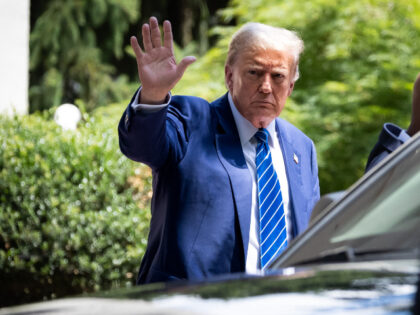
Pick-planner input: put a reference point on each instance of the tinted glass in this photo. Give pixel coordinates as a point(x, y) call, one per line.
point(381, 212)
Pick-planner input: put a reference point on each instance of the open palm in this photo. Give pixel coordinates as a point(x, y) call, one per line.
point(157, 67)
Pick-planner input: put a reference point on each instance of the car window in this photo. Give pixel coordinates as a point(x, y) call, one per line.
point(396, 210)
point(381, 212)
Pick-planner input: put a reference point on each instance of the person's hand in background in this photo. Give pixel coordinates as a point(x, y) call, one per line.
point(415, 112)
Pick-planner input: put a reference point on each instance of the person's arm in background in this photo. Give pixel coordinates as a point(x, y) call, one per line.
point(415, 112)
point(143, 133)
point(392, 136)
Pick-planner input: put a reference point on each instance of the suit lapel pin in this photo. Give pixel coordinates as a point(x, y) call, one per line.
point(295, 158)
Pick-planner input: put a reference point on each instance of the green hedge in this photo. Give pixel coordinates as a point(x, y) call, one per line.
point(69, 218)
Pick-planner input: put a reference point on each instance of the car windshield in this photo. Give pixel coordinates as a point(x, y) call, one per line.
point(380, 213)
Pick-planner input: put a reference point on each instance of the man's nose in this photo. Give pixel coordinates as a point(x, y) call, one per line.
point(265, 85)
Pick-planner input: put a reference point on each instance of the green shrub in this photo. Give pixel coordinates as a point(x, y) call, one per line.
point(69, 218)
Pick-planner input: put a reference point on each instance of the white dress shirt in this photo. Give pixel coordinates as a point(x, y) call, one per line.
point(249, 144)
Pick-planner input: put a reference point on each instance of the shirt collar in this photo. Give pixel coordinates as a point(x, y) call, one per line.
point(247, 130)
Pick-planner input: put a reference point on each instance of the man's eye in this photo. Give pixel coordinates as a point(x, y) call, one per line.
point(277, 75)
point(252, 72)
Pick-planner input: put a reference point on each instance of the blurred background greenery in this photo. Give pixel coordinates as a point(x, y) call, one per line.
point(74, 212)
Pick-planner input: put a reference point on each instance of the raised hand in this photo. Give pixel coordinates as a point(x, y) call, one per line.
point(157, 67)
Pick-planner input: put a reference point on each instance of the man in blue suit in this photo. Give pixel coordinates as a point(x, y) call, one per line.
point(393, 136)
point(207, 187)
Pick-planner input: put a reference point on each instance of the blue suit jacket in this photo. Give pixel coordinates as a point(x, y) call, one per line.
point(202, 187)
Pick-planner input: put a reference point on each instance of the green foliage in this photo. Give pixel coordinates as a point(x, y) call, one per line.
point(72, 44)
point(67, 220)
point(357, 72)
point(68, 223)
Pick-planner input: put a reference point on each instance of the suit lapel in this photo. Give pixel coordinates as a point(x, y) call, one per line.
point(230, 153)
point(292, 162)
point(231, 156)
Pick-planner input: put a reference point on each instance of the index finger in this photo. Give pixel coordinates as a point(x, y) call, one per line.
point(167, 35)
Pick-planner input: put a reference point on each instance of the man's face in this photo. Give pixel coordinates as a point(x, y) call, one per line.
point(260, 82)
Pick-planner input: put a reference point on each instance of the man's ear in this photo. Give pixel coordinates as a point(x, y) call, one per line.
point(291, 86)
point(228, 77)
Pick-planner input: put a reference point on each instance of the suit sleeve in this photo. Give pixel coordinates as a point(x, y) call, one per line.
point(389, 140)
point(153, 138)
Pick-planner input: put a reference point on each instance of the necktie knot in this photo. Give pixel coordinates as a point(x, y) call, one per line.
point(262, 135)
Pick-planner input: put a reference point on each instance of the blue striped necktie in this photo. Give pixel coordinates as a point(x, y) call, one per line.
point(273, 234)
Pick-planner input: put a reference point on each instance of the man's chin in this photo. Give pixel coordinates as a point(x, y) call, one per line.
point(262, 122)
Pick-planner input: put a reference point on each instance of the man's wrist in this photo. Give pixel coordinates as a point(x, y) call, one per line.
point(146, 97)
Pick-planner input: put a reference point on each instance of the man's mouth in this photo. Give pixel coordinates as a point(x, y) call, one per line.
point(267, 102)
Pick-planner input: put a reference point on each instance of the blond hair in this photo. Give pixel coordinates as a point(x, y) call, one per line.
point(256, 35)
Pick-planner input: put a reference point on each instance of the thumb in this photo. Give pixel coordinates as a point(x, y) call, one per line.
point(185, 62)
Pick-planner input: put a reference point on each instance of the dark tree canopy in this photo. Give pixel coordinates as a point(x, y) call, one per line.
point(80, 49)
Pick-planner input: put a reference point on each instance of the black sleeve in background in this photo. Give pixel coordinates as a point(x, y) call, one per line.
point(388, 142)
